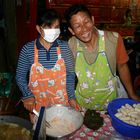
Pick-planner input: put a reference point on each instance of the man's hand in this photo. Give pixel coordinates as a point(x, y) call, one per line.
point(125, 77)
point(29, 103)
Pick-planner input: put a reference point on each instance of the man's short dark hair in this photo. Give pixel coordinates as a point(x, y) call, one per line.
point(74, 9)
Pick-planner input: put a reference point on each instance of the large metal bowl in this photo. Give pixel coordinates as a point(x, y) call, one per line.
point(66, 113)
point(16, 120)
point(15, 128)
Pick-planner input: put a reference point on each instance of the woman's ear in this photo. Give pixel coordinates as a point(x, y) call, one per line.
point(72, 32)
point(38, 29)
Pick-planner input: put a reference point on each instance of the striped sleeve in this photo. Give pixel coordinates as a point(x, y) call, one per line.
point(22, 71)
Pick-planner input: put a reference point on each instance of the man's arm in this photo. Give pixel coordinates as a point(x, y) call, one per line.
point(126, 79)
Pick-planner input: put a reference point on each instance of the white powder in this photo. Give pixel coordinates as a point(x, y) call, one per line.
point(60, 127)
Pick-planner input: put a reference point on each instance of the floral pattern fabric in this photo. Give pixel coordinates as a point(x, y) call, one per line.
point(96, 84)
point(48, 85)
point(103, 132)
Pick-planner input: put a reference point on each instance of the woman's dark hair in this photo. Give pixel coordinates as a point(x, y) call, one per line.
point(74, 9)
point(47, 17)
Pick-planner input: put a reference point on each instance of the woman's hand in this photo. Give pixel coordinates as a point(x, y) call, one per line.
point(74, 104)
point(29, 103)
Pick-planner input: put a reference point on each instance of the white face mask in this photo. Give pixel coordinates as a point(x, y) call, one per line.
point(50, 35)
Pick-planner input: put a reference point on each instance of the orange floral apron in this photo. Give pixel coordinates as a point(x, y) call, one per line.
point(48, 85)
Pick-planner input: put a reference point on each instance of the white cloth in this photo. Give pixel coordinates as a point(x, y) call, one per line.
point(121, 92)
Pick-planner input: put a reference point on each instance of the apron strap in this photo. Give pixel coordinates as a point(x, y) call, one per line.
point(101, 41)
point(35, 55)
point(59, 52)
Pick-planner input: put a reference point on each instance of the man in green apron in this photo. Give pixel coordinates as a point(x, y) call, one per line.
point(97, 56)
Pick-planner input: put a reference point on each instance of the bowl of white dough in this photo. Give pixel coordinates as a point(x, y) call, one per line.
point(64, 121)
point(125, 116)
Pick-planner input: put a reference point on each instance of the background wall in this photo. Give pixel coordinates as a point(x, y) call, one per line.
point(20, 20)
point(8, 38)
point(105, 11)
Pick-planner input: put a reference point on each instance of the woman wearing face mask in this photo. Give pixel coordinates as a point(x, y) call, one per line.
point(49, 61)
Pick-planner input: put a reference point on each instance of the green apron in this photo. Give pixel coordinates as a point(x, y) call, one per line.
point(96, 84)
